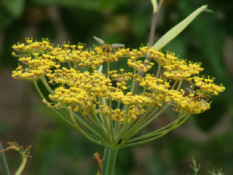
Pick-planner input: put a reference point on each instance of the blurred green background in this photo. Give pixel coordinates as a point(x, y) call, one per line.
point(59, 149)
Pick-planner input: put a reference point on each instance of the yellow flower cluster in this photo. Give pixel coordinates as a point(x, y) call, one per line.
point(157, 87)
point(190, 103)
point(207, 85)
point(72, 69)
point(122, 115)
point(34, 68)
point(178, 69)
point(139, 65)
point(121, 78)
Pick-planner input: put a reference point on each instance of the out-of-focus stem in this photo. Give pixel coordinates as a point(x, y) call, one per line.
point(3, 163)
point(151, 41)
point(153, 23)
point(152, 29)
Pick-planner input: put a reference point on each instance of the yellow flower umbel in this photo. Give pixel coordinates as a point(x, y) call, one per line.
point(112, 106)
point(108, 108)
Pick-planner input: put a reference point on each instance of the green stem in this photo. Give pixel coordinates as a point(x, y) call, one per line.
point(151, 40)
point(95, 138)
point(109, 161)
point(158, 71)
point(98, 127)
point(110, 120)
point(158, 131)
point(142, 119)
point(160, 135)
point(108, 68)
point(134, 130)
point(133, 82)
point(179, 85)
point(3, 163)
point(22, 166)
point(153, 23)
point(152, 29)
point(122, 129)
point(42, 96)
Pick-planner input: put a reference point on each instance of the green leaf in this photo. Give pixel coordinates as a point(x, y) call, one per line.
point(14, 7)
point(154, 4)
point(176, 30)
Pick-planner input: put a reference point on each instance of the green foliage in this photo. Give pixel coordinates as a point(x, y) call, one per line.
point(14, 7)
point(195, 166)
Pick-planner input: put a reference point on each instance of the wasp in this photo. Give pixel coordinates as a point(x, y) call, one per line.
point(107, 48)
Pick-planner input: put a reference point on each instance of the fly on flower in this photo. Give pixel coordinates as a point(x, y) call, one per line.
point(107, 48)
point(203, 98)
point(201, 94)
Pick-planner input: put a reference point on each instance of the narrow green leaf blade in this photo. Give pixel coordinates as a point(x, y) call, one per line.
point(176, 30)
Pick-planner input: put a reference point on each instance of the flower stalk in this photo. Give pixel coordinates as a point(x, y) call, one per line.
point(154, 20)
point(109, 161)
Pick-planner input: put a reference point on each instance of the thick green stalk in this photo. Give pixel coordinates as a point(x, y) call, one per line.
point(109, 160)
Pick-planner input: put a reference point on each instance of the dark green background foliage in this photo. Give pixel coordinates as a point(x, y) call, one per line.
point(59, 149)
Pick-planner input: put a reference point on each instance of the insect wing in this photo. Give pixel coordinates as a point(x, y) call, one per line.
point(116, 45)
point(188, 91)
point(203, 103)
point(100, 41)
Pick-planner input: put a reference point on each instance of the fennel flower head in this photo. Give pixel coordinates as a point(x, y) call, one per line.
point(111, 106)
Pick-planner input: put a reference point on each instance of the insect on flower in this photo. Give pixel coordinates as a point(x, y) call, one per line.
point(107, 48)
point(198, 96)
point(201, 94)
